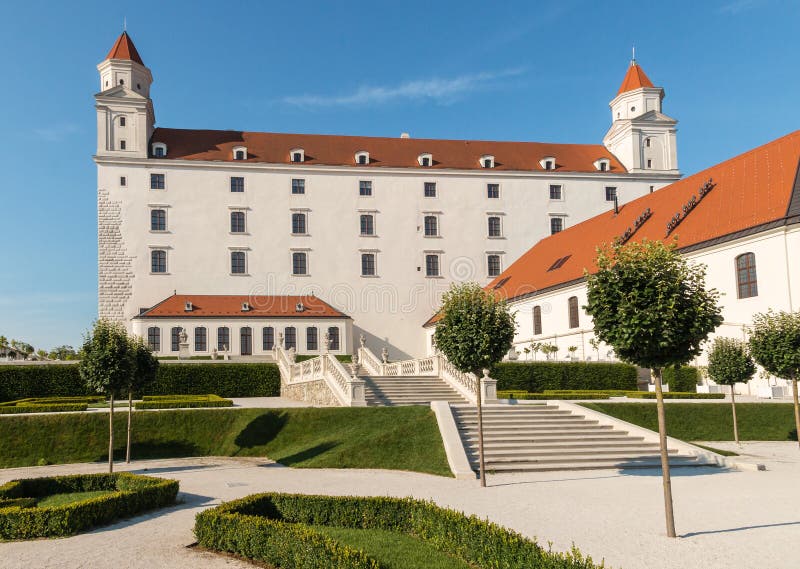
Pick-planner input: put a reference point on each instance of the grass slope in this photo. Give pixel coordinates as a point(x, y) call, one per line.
point(394, 550)
point(398, 438)
point(709, 421)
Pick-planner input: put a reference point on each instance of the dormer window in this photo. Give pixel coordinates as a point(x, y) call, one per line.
point(298, 155)
point(602, 164)
point(425, 159)
point(548, 163)
point(240, 153)
point(159, 149)
point(362, 157)
point(487, 161)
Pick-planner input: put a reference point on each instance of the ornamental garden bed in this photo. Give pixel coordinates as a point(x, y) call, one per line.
point(65, 505)
point(604, 394)
point(182, 402)
point(293, 530)
point(48, 404)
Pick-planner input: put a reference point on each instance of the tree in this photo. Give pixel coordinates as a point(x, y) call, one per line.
point(572, 350)
point(535, 348)
point(107, 367)
point(41, 353)
point(652, 307)
point(475, 332)
point(728, 364)
point(63, 353)
point(595, 344)
point(3, 341)
point(775, 345)
point(144, 374)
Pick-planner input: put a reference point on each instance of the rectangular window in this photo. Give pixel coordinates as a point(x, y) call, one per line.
point(430, 189)
point(122, 123)
point(299, 224)
point(431, 223)
point(246, 341)
point(290, 337)
point(122, 145)
point(493, 191)
point(175, 339)
point(365, 188)
point(368, 265)
point(158, 220)
point(555, 191)
point(298, 186)
point(299, 263)
point(493, 265)
point(268, 338)
point(156, 181)
point(311, 339)
point(154, 339)
point(200, 340)
point(572, 303)
point(495, 228)
point(123, 181)
point(238, 263)
point(237, 222)
point(556, 225)
point(367, 224)
point(237, 184)
point(223, 338)
point(611, 193)
point(649, 163)
point(158, 261)
point(537, 320)
point(333, 338)
point(431, 265)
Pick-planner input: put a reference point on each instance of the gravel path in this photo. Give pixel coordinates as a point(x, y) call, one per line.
point(727, 519)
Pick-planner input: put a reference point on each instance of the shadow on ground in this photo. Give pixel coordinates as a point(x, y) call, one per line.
point(261, 430)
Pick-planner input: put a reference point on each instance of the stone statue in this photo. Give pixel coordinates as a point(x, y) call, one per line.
point(385, 355)
point(326, 342)
point(183, 337)
point(362, 340)
point(280, 339)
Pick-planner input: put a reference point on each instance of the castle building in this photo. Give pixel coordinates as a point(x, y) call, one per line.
point(376, 228)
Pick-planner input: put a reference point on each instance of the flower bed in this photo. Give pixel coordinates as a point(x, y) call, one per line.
point(277, 529)
point(131, 494)
point(47, 404)
point(182, 402)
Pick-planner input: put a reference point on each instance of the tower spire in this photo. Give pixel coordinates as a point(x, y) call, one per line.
point(633, 54)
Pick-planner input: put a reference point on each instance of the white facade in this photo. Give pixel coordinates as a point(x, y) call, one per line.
point(389, 306)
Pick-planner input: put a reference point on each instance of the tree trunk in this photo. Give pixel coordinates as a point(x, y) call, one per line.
point(662, 439)
point(733, 408)
point(130, 416)
point(481, 462)
point(796, 409)
point(111, 436)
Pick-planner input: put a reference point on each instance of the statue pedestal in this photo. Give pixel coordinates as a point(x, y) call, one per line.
point(183, 351)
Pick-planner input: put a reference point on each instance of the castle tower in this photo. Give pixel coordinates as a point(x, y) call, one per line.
point(125, 115)
point(641, 136)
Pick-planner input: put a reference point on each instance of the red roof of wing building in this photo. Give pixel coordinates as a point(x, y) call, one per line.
point(635, 78)
point(215, 306)
point(748, 193)
point(336, 150)
point(124, 49)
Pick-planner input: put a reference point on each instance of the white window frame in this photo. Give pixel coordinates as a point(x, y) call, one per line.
point(563, 192)
point(602, 165)
point(486, 157)
point(231, 251)
point(498, 254)
point(439, 255)
point(231, 211)
point(150, 183)
point(548, 160)
point(359, 155)
point(374, 214)
point(500, 215)
point(438, 216)
point(164, 208)
point(421, 159)
point(371, 189)
point(306, 212)
point(305, 251)
point(294, 151)
point(561, 216)
point(361, 253)
point(160, 145)
point(166, 249)
point(239, 149)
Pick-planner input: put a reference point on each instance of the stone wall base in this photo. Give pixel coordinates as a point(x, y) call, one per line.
point(314, 392)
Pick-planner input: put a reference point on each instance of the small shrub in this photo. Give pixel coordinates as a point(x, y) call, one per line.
point(684, 378)
point(132, 494)
point(536, 377)
point(182, 402)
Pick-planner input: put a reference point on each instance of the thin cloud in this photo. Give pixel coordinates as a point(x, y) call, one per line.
point(56, 133)
point(441, 90)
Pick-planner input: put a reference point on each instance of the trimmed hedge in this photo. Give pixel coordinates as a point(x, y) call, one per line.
point(134, 494)
point(17, 502)
point(536, 377)
point(275, 529)
point(224, 379)
point(182, 402)
point(684, 378)
point(604, 394)
point(48, 404)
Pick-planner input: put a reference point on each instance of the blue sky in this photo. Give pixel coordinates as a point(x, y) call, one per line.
point(542, 71)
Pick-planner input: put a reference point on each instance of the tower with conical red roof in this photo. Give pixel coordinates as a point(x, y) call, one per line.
point(125, 115)
point(641, 136)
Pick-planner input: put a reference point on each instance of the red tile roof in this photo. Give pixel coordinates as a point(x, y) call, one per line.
point(124, 49)
point(759, 187)
point(635, 78)
point(398, 152)
point(212, 305)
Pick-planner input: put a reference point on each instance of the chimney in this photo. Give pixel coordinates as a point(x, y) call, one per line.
point(616, 205)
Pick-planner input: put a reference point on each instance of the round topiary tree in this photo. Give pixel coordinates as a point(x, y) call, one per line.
point(474, 332)
point(107, 366)
point(775, 346)
point(729, 363)
point(652, 307)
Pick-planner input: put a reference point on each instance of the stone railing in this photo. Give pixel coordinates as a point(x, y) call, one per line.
point(465, 383)
point(371, 363)
point(347, 389)
point(419, 367)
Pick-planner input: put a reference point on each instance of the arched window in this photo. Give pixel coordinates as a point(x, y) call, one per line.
point(431, 223)
point(158, 220)
point(746, 278)
point(333, 336)
point(200, 339)
point(494, 226)
point(362, 157)
point(537, 320)
point(290, 337)
point(311, 339)
point(299, 224)
point(240, 153)
point(367, 224)
point(158, 261)
point(297, 155)
point(572, 303)
point(425, 159)
point(299, 263)
point(154, 338)
point(159, 149)
point(238, 263)
point(268, 338)
point(493, 265)
point(237, 222)
point(223, 338)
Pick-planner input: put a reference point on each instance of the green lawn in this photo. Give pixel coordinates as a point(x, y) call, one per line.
point(710, 421)
point(394, 550)
point(398, 438)
point(63, 499)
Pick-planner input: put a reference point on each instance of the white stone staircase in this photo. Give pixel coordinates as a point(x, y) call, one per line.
point(543, 437)
point(412, 390)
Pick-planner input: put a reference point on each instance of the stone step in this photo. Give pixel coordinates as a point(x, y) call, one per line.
point(555, 437)
point(600, 465)
point(579, 458)
point(536, 453)
point(532, 421)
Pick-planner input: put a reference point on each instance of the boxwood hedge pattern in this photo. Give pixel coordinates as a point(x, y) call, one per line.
point(224, 379)
point(275, 529)
point(132, 494)
point(542, 376)
point(182, 402)
point(48, 404)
